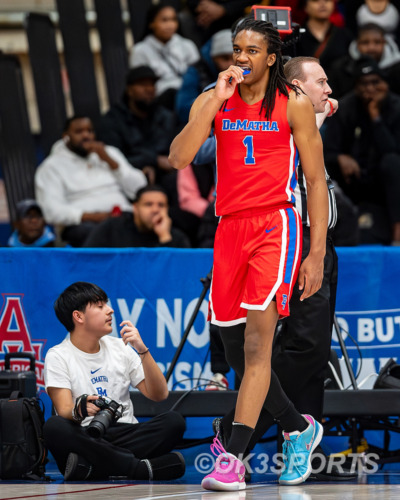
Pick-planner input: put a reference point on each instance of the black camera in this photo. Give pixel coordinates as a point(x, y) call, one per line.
point(110, 412)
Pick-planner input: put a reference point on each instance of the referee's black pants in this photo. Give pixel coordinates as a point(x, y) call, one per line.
point(302, 347)
point(301, 350)
point(120, 450)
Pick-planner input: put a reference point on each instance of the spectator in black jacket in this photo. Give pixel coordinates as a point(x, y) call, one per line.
point(143, 130)
point(362, 149)
point(322, 39)
point(148, 226)
point(139, 127)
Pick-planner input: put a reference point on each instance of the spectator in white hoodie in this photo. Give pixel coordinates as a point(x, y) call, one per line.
point(83, 182)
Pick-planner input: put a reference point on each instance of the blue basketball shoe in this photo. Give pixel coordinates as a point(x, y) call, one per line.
point(297, 451)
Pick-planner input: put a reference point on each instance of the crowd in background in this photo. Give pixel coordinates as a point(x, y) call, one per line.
point(98, 184)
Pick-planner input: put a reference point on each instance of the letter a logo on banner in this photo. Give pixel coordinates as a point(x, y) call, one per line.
point(14, 333)
point(15, 336)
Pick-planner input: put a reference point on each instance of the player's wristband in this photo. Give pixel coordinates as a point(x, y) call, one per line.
point(332, 110)
point(144, 352)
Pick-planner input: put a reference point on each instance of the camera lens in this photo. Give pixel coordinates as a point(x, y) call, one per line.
point(100, 424)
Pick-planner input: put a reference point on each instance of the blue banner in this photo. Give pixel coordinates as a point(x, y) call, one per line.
point(158, 289)
point(368, 308)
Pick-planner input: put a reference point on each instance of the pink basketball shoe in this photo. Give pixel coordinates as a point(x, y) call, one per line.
point(228, 473)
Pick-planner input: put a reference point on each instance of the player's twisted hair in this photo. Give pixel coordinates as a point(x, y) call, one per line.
point(277, 78)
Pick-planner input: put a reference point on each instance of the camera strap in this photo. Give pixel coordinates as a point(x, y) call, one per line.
point(80, 408)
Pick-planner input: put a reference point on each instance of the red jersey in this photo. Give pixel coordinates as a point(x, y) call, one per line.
point(256, 157)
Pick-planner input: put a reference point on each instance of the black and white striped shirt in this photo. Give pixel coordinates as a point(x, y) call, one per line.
point(301, 199)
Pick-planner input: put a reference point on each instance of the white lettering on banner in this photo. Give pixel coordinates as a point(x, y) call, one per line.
point(382, 328)
point(381, 335)
point(166, 321)
point(197, 339)
point(124, 312)
point(365, 329)
point(134, 314)
point(173, 323)
point(378, 329)
point(187, 375)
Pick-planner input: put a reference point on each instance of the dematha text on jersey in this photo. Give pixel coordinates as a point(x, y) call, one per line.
point(263, 126)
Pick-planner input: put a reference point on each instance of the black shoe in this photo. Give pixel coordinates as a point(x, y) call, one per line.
point(164, 468)
point(77, 468)
point(335, 472)
point(219, 430)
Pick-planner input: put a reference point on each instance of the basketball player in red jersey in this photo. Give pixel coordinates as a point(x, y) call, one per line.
point(262, 123)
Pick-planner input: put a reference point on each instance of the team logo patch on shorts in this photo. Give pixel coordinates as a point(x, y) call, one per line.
point(284, 300)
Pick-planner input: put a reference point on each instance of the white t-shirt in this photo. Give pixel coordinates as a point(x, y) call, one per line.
point(109, 372)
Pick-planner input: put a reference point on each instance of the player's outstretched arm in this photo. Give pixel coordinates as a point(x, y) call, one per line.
point(307, 138)
point(186, 144)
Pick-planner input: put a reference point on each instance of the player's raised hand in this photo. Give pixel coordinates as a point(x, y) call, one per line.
point(227, 81)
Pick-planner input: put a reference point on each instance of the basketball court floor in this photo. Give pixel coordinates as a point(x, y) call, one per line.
point(382, 485)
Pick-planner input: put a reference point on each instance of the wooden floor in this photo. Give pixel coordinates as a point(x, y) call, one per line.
point(377, 486)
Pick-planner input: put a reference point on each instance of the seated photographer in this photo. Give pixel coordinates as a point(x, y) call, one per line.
point(95, 434)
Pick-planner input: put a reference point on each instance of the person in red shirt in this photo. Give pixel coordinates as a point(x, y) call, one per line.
point(261, 122)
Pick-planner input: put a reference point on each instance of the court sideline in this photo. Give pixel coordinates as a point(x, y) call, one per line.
point(381, 485)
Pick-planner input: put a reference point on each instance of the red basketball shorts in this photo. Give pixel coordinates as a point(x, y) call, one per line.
point(256, 259)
